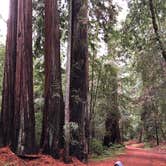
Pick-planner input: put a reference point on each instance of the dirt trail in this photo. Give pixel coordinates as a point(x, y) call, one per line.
point(135, 156)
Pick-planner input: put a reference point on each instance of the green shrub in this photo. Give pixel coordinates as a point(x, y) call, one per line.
point(96, 147)
point(117, 146)
point(108, 152)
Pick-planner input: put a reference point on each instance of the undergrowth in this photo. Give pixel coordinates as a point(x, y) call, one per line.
point(100, 152)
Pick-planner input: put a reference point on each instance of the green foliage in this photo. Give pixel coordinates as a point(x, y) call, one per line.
point(96, 147)
point(38, 47)
point(113, 151)
point(144, 55)
point(38, 126)
point(38, 104)
point(103, 16)
point(73, 128)
point(38, 27)
point(140, 70)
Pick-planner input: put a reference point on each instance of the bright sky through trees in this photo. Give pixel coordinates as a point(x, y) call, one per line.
point(3, 14)
point(5, 5)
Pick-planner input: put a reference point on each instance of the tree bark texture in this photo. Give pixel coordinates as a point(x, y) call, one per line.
point(92, 111)
point(7, 113)
point(23, 139)
point(91, 103)
point(53, 107)
point(79, 76)
point(67, 97)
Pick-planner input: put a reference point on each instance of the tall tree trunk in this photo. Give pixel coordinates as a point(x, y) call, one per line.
point(92, 83)
point(156, 132)
point(92, 116)
point(9, 76)
point(53, 89)
point(67, 97)
point(79, 68)
point(113, 115)
point(141, 134)
point(163, 133)
point(23, 139)
point(156, 29)
point(92, 98)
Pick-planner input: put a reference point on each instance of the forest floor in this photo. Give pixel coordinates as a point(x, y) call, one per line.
point(134, 155)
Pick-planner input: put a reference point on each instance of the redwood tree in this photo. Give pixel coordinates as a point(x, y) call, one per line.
point(9, 76)
point(79, 77)
point(67, 96)
point(53, 107)
point(23, 139)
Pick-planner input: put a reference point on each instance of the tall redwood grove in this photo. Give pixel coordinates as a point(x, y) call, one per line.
point(53, 107)
point(7, 113)
point(23, 138)
point(79, 77)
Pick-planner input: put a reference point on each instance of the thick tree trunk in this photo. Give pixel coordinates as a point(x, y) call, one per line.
point(79, 84)
point(23, 139)
point(9, 76)
point(53, 89)
point(67, 97)
point(112, 130)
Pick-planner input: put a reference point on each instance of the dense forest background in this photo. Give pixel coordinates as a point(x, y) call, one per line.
point(126, 87)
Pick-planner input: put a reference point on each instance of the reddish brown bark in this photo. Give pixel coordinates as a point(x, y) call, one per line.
point(79, 76)
point(23, 140)
point(53, 108)
point(9, 76)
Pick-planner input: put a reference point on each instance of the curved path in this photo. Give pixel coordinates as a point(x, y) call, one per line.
point(136, 157)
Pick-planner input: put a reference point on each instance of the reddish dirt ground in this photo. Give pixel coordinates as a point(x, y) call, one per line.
point(8, 158)
point(133, 156)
